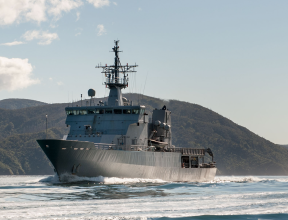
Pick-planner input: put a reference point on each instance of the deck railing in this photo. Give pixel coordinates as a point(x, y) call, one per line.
point(183, 151)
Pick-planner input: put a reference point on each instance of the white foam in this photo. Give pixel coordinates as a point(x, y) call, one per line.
point(245, 179)
point(68, 178)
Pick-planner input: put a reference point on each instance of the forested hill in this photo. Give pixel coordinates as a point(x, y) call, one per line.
point(237, 150)
point(19, 103)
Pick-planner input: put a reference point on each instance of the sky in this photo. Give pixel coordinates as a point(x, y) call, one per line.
point(228, 56)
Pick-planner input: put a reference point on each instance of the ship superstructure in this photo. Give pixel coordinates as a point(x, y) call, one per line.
point(119, 139)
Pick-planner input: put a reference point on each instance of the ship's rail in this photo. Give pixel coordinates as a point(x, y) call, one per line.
point(105, 146)
point(117, 80)
point(183, 151)
point(188, 151)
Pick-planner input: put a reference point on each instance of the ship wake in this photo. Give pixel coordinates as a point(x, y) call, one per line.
point(68, 178)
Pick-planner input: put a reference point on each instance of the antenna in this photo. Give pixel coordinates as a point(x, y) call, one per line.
point(46, 125)
point(112, 72)
point(81, 100)
point(144, 85)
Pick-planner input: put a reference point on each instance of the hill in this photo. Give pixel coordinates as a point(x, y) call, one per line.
point(237, 150)
point(19, 103)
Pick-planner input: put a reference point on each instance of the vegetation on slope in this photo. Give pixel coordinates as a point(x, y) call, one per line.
point(19, 103)
point(20, 154)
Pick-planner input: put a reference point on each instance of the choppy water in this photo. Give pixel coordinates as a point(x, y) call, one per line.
point(44, 197)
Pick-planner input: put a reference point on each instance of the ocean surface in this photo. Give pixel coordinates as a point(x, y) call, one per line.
point(227, 197)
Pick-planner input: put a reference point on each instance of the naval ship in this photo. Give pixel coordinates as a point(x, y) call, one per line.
point(119, 139)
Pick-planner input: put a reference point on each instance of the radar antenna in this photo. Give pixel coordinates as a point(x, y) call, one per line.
point(112, 72)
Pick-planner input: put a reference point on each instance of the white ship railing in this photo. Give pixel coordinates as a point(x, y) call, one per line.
point(105, 146)
point(183, 151)
point(123, 81)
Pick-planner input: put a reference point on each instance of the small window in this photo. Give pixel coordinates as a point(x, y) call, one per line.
point(75, 148)
point(69, 112)
point(97, 111)
point(108, 111)
point(89, 112)
point(81, 148)
point(63, 148)
point(101, 111)
point(126, 111)
point(75, 112)
point(117, 111)
point(135, 111)
point(83, 112)
point(47, 146)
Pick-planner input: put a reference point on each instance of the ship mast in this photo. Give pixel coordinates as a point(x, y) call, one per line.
point(113, 80)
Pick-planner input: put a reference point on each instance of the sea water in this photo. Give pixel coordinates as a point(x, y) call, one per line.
point(227, 197)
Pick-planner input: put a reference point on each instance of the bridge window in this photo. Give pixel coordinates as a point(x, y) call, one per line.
point(69, 112)
point(90, 112)
point(142, 110)
point(135, 111)
point(83, 112)
point(117, 111)
point(108, 111)
point(126, 111)
point(75, 112)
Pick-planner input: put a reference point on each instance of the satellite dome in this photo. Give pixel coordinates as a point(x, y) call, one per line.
point(91, 92)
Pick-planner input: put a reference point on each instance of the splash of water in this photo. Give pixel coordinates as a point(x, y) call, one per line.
point(68, 178)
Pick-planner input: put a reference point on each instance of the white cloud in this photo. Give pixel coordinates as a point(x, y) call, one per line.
point(78, 16)
point(101, 29)
point(50, 78)
point(99, 3)
point(140, 9)
point(18, 10)
point(15, 74)
point(59, 6)
point(60, 83)
point(13, 43)
point(115, 3)
point(44, 37)
point(12, 11)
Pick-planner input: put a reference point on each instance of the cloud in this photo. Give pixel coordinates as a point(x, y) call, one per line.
point(13, 43)
point(78, 16)
point(60, 83)
point(15, 74)
point(115, 3)
point(140, 9)
point(44, 37)
point(50, 78)
point(12, 11)
point(101, 29)
point(59, 6)
point(99, 3)
point(18, 10)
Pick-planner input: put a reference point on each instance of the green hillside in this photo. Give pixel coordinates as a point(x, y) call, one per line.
point(237, 150)
point(19, 103)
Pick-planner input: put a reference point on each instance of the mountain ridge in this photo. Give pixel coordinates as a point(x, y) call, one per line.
point(19, 103)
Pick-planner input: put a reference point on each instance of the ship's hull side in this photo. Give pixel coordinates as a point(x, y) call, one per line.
point(83, 159)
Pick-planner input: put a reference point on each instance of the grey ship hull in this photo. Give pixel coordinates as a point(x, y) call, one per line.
point(83, 159)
